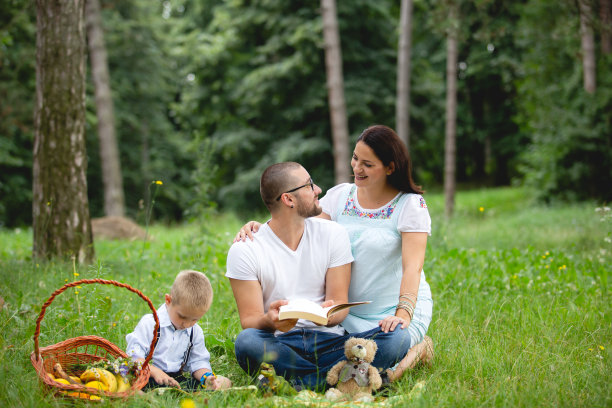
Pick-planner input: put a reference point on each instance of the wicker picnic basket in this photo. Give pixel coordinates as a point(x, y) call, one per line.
point(85, 349)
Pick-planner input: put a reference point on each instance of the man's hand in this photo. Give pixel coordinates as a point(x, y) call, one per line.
point(272, 315)
point(162, 378)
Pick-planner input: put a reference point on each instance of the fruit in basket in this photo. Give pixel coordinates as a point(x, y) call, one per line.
point(98, 385)
point(101, 375)
point(51, 376)
point(76, 379)
point(122, 385)
point(62, 381)
point(82, 395)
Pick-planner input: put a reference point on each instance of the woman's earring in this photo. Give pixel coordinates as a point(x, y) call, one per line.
point(291, 205)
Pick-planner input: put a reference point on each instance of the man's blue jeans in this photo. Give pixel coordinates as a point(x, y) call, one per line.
point(305, 356)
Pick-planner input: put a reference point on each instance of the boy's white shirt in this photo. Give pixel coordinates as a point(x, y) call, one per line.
point(171, 346)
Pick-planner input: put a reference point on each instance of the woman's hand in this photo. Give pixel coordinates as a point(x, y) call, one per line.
point(247, 230)
point(389, 323)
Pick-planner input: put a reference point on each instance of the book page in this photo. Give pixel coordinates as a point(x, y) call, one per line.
point(306, 309)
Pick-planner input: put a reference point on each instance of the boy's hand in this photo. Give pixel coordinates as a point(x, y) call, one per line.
point(162, 378)
point(218, 382)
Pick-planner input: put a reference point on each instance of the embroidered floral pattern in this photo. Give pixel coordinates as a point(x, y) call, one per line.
point(422, 202)
point(384, 213)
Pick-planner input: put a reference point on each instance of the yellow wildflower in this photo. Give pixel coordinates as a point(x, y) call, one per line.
point(481, 209)
point(76, 274)
point(159, 182)
point(602, 348)
point(187, 403)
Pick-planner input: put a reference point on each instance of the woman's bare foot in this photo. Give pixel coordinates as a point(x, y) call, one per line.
point(422, 353)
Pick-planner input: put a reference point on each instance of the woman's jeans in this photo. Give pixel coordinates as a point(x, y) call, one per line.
point(305, 356)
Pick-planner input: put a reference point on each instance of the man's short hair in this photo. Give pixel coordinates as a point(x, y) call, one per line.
point(275, 180)
point(192, 289)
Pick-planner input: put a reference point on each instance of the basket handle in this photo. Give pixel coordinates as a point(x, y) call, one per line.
point(103, 282)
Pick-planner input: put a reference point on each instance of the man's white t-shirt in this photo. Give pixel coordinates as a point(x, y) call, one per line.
point(287, 274)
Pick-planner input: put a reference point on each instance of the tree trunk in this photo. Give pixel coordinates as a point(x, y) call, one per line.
point(335, 91)
point(114, 201)
point(451, 115)
point(605, 16)
point(587, 42)
point(60, 208)
point(402, 107)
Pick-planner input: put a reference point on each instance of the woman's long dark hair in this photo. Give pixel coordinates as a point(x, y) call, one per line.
point(388, 147)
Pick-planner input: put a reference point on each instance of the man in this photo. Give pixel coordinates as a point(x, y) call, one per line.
point(293, 256)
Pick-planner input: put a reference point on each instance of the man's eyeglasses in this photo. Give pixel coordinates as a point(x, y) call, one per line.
point(310, 183)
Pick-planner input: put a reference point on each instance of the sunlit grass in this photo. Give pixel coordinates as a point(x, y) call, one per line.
point(522, 313)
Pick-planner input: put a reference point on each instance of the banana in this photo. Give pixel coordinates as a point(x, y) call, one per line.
point(98, 385)
point(121, 384)
point(101, 375)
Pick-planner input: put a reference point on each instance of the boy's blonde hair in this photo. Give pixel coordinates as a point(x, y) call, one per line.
point(192, 289)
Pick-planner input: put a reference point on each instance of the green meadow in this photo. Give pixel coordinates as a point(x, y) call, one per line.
point(522, 312)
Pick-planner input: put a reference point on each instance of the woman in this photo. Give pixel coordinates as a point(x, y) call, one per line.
point(388, 224)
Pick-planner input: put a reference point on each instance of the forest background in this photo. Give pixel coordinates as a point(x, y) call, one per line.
point(208, 93)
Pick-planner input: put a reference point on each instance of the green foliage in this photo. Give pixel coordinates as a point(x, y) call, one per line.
point(209, 93)
point(570, 157)
point(17, 96)
point(144, 85)
point(521, 313)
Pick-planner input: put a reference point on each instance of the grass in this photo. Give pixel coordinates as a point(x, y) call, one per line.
point(522, 313)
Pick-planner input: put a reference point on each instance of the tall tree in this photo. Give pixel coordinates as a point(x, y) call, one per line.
point(114, 201)
point(60, 208)
point(335, 89)
point(402, 107)
point(605, 17)
point(587, 44)
point(450, 149)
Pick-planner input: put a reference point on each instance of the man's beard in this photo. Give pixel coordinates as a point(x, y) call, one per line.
point(307, 212)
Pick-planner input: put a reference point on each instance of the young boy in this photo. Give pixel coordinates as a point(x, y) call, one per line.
point(180, 344)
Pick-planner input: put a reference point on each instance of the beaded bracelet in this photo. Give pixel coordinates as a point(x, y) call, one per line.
point(408, 296)
point(405, 305)
point(407, 308)
point(205, 377)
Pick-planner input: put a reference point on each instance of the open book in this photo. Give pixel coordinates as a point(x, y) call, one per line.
point(305, 309)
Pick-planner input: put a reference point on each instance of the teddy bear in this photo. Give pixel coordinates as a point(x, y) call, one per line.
point(354, 377)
